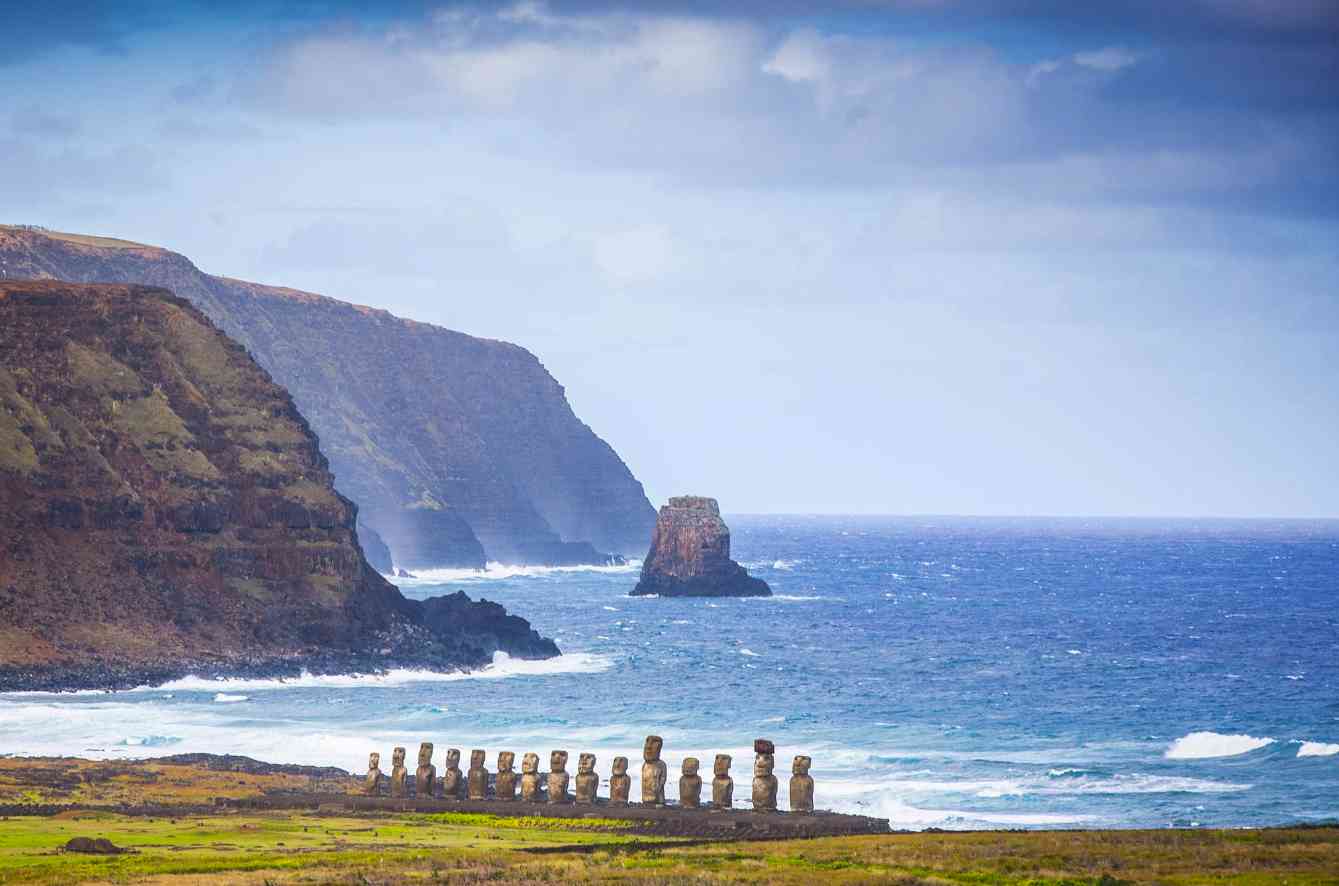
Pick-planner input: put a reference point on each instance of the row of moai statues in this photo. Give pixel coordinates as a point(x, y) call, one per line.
point(473, 784)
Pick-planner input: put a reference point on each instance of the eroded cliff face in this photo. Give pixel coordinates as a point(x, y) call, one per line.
point(457, 449)
point(690, 555)
point(165, 509)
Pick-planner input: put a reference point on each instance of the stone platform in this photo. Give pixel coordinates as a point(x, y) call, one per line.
point(726, 824)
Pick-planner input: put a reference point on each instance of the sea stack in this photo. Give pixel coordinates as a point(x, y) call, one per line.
point(690, 555)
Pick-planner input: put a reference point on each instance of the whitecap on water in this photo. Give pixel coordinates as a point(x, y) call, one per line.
point(1317, 749)
point(226, 697)
point(1204, 745)
point(499, 571)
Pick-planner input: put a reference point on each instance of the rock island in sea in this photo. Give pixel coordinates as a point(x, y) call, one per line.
point(690, 555)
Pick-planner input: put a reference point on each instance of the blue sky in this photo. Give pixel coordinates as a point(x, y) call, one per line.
point(994, 257)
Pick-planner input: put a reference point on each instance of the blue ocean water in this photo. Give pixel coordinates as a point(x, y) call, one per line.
point(941, 672)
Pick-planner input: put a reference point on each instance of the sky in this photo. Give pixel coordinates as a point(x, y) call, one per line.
point(1002, 257)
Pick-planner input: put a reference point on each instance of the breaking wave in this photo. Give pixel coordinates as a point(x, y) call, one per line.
point(499, 571)
point(1317, 749)
point(1205, 745)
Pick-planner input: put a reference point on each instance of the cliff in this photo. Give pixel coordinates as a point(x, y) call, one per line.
point(457, 449)
point(690, 555)
point(167, 510)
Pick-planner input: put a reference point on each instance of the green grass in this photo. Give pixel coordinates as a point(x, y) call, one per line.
point(451, 847)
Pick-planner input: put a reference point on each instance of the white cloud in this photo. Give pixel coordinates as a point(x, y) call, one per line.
point(1110, 58)
point(635, 255)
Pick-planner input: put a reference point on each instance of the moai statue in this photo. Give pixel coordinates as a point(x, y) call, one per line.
point(764, 782)
point(506, 776)
point(620, 783)
point(690, 785)
point(722, 786)
point(372, 784)
point(453, 782)
point(588, 783)
point(399, 775)
point(558, 777)
point(530, 792)
point(653, 772)
point(477, 777)
point(425, 777)
point(801, 786)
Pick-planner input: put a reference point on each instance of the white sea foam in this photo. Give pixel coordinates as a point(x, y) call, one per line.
point(749, 652)
point(1317, 749)
point(498, 571)
point(1203, 745)
point(502, 667)
point(792, 598)
point(225, 697)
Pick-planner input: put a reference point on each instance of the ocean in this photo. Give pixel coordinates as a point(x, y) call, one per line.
point(942, 672)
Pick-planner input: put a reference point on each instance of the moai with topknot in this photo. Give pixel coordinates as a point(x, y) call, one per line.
point(764, 782)
point(722, 785)
point(425, 777)
point(690, 785)
point(530, 792)
point(801, 786)
point(477, 777)
point(620, 783)
point(453, 780)
point(506, 776)
point(399, 774)
point(588, 783)
point(558, 777)
point(653, 772)
point(372, 783)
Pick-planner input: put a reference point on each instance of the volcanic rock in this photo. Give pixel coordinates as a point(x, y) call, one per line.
point(167, 511)
point(458, 450)
point(690, 555)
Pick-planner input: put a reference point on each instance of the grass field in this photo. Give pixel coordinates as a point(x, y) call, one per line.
point(451, 848)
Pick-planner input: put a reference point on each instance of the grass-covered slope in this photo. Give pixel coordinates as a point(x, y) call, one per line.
point(456, 448)
point(167, 509)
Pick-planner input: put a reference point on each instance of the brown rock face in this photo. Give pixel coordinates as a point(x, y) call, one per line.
point(167, 510)
point(456, 449)
point(690, 555)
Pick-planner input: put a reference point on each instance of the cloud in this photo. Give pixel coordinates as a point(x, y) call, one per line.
point(1112, 58)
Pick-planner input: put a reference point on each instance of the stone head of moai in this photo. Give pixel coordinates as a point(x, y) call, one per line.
point(620, 765)
point(763, 764)
point(397, 758)
point(586, 764)
point(558, 761)
point(476, 759)
point(722, 765)
point(651, 750)
point(690, 765)
point(425, 754)
point(530, 764)
point(453, 758)
point(505, 761)
point(801, 765)
point(373, 761)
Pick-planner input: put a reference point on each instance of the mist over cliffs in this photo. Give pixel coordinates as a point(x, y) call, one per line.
point(167, 510)
point(456, 449)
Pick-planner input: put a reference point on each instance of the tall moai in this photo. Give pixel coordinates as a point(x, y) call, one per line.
point(620, 783)
point(558, 777)
point(399, 774)
point(588, 783)
point(764, 782)
point(690, 784)
point(372, 783)
point(425, 777)
point(453, 781)
point(722, 785)
point(530, 791)
point(477, 778)
point(801, 786)
point(506, 776)
point(653, 772)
